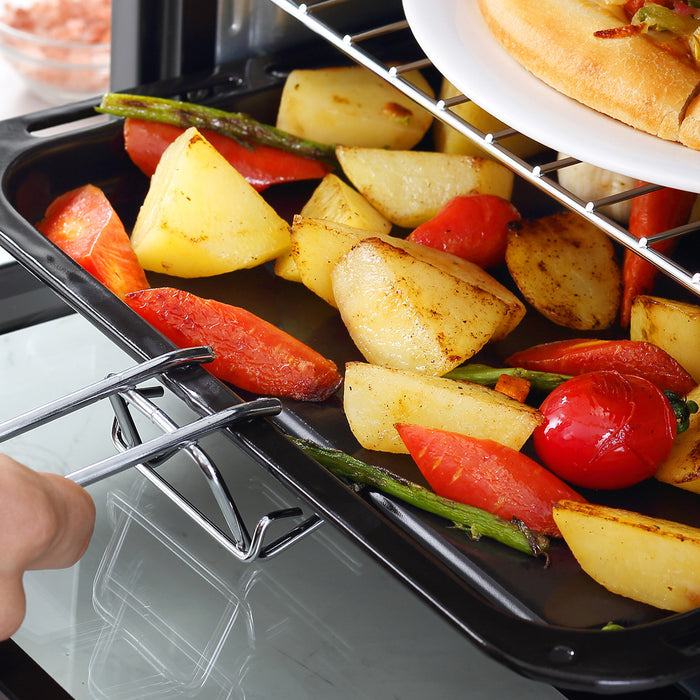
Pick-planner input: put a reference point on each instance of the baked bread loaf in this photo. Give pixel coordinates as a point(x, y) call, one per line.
point(589, 51)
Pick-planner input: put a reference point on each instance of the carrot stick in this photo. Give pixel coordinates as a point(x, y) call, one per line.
point(651, 213)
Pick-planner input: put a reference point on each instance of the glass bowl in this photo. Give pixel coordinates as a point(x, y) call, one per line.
point(60, 48)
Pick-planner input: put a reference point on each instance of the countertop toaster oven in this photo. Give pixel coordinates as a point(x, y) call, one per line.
point(545, 623)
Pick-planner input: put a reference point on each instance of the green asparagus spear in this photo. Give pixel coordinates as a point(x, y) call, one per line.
point(488, 376)
point(475, 521)
point(241, 127)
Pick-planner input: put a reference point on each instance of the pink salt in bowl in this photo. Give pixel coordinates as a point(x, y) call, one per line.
point(60, 48)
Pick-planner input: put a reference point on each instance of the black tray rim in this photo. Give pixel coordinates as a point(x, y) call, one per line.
point(644, 657)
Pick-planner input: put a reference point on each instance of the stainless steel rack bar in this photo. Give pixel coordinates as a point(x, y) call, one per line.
point(123, 392)
point(308, 14)
point(102, 389)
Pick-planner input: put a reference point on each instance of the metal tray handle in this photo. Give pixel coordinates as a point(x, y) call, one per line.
point(122, 391)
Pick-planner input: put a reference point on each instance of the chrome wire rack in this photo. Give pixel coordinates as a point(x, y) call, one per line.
point(122, 390)
point(541, 175)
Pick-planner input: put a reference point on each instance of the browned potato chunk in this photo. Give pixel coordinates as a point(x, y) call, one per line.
point(317, 246)
point(403, 312)
point(566, 268)
point(377, 398)
point(354, 106)
point(647, 559)
point(202, 218)
point(682, 466)
point(672, 325)
point(335, 201)
point(410, 187)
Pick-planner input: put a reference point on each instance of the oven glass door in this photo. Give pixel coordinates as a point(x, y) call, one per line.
point(157, 609)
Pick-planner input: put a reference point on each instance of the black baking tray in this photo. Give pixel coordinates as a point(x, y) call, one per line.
point(543, 622)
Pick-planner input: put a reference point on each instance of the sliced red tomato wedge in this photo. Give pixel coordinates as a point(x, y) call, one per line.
point(261, 166)
point(474, 227)
point(577, 356)
point(251, 353)
point(85, 226)
point(487, 475)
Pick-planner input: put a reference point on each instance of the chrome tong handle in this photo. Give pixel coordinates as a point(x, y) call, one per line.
point(125, 435)
point(243, 546)
point(121, 388)
point(177, 439)
point(102, 389)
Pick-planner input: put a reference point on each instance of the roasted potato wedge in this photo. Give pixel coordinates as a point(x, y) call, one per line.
point(566, 268)
point(403, 312)
point(647, 559)
point(318, 245)
point(672, 325)
point(410, 187)
point(336, 201)
point(472, 273)
point(682, 466)
point(449, 140)
point(200, 217)
point(354, 106)
point(286, 268)
point(376, 398)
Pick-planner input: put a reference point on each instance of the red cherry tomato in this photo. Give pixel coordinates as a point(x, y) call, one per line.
point(605, 430)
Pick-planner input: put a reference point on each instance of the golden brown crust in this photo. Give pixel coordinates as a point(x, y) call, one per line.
point(629, 78)
point(689, 134)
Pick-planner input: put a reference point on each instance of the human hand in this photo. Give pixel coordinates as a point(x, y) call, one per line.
point(46, 522)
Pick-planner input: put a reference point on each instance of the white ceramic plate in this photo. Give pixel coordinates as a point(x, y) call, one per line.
point(455, 37)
